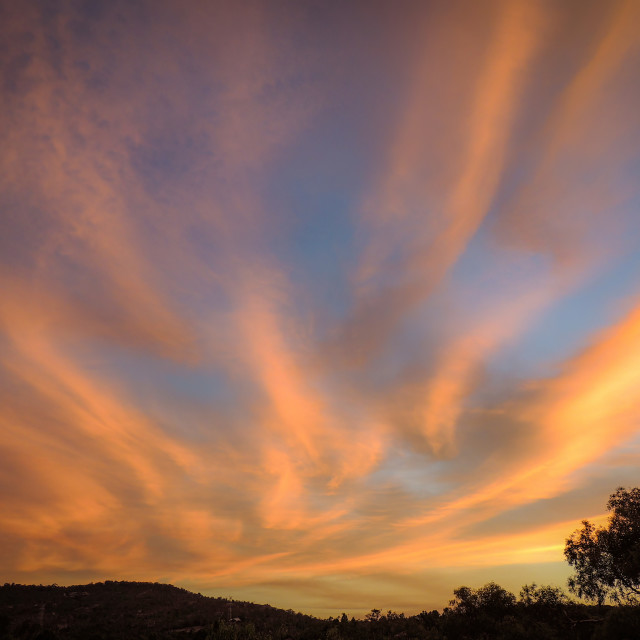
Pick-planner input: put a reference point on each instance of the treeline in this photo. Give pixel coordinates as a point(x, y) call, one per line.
point(128, 610)
point(607, 569)
point(151, 611)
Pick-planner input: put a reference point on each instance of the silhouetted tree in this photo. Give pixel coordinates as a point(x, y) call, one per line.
point(607, 559)
point(543, 597)
point(478, 613)
point(491, 599)
point(374, 616)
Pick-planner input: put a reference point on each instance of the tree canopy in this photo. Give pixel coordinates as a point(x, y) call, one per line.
point(607, 559)
point(492, 598)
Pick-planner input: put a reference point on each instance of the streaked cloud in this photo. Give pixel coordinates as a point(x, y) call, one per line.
point(317, 305)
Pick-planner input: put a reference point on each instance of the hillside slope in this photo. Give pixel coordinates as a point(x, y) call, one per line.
point(134, 610)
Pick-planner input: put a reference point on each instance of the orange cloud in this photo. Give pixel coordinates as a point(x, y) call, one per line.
point(571, 204)
point(172, 408)
point(415, 235)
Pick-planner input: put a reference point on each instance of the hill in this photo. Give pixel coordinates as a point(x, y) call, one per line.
point(136, 610)
point(151, 611)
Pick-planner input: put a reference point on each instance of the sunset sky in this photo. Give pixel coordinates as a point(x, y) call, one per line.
point(331, 305)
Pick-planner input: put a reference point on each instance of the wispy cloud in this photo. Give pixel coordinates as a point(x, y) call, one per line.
point(179, 400)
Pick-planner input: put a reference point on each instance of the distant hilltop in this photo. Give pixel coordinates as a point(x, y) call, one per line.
point(140, 610)
point(151, 611)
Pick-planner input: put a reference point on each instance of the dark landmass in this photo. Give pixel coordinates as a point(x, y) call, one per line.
point(152, 611)
point(132, 610)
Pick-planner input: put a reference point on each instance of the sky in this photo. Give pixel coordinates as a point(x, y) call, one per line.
point(326, 305)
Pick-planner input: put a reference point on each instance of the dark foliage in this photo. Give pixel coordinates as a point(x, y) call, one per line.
point(137, 611)
point(607, 559)
point(150, 611)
